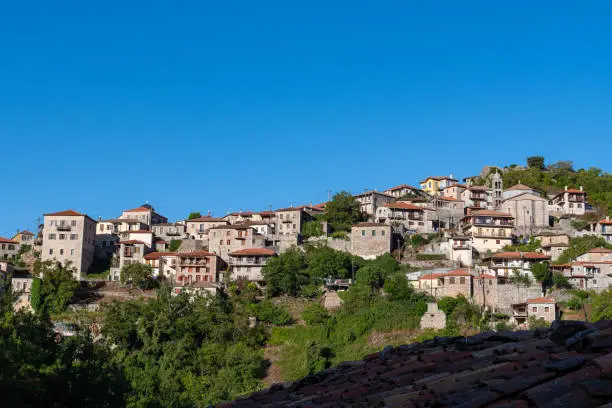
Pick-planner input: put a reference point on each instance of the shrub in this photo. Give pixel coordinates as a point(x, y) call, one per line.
point(315, 314)
point(430, 257)
point(310, 291)
point(175, 244)
point(35, 299)
point(267, 312)
point(574, 303)
point(537, 323)
point(312, 229)
point(339, 235)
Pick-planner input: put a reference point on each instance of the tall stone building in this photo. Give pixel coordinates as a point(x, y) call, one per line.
point(370, 239)
point(69, 237)
point(497, 187)
point(530, 213)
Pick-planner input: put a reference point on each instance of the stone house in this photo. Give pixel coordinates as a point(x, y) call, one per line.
point(518, 189)
point(145, 214)
point(8, 248)
point(445, 212)
point(453, 283)
point(21, 285)
point(129, 252)
point(530, 212)
point(370, 239)
point(504, 264)
point(248, 263)
point(603, 228)
point(170, 231)
point(490, 230)
point(542, 308)
point(197, 228)
point(553, 245)
point(195, 289)
point(413, 217)
point(454, 190)
point(370, 201)
point(433, 318)
point(224, 239)
point(568, 202)
point(24, 238)
point(476, 197)
point(69, 236)
point(199, 266)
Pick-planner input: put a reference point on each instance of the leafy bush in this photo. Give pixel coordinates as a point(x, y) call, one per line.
point(339, 235)
point(35, 294)
point(175, 244)
point(530, 246)
point(310, 291)
point(315, 314)
point(267, 312)
point(574, 303)
point(343, 211)
point(417, 240)
point(139, 274)
point(561, 282)
point(602, 305)
point(312, 229)
point(534, 323)
point(430, 257)
point(580, 245)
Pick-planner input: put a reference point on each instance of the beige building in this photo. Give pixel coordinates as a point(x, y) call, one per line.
point(164, 264)
point(8, 248)
point(568, 202)
point(409, 215)
point(69, 236)
point(504, 264)
point(446, 212)
point(603, 228)
point(542, 308)
point(490, 230)
point(403, 190)
point(248, 263)
point(476, 197)
point(169, 231)
point(21, 285)
point(518, 189)
point(454, 190)
point(530, 213)
point(460, 250)
point(369, 201)
point(370, 239)
point(198, 267)
point(24, 238)
point(130, 252)
point(553, 245)
point(197, 228)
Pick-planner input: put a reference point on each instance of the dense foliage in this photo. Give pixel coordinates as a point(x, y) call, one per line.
point(139, 275)
point(312, 229)
point(580, 245)
point(193, 215)
point(343, 211)
point(57, 286)
point(177, 351)
point(175, 244)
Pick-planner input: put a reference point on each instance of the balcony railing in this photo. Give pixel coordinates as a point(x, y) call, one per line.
point(173, 233)
point(63, 227)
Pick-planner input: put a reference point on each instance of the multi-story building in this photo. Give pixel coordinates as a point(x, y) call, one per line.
point(530, 213)
point(553, 245)
point(460, 250)
point(490, 230)
point(198, 266)
point(371, 239)
point(130, 252)
point(145, 213)
point(8, 248)
point(164, 264)
point(539, 308)
point(495, 193)
point(197, 228)
point(169, 231)
point(21, 285)
point(412, 217)
point(568, 202)
point(476, 197)
point(69, 237)
point(248, 263)
point(446, 212)
point(433, 185)
point(504, 264)
point(24, 237)
point(224, 239)
point(518, 189)
point(369, 201)
point(603, 228)
point(289, 221)
point(454, 190)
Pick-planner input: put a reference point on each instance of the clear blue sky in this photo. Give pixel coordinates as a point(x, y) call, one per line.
point(201, 105)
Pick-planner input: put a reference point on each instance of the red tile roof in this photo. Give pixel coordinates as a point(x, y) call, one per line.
point(139, 209)
point(519, 187)
point(402, 186)
point(541, 300)
point(66, 213)
point(519, 255)
point(562, 366)
point(605, 222)
point(599, 251)
point(26, 232)
point(456, 185)
point(432, 276)
point(253, 251)
point(195, 254)
point(206, 218)
point(7, 241)
point(574, 191)
point(486, 276)
point(458, 272)
point(132, 242)
point(370, 224)
point(157, 255)
point(402, 205)
point(492, 213)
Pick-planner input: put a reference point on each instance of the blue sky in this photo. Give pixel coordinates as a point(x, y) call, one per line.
point(201, 105)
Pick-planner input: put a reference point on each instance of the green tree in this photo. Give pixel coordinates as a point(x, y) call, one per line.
point(580, 245)
point(343, 211)
point(312, 229)
point(35, 294)
point(315, 314)
point(286, 273)
point(561, 282)
point(58, 286)
point(324, 262)
point(540, 271)
point(193, 215)
point(138, 274)
point(175, 244)
point(398, 288)
point(536, 162)
point(601, 306)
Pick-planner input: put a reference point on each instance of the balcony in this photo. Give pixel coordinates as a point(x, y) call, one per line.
point(287, 221)
point(63, 227)
point(173, 233)
point(461, 247)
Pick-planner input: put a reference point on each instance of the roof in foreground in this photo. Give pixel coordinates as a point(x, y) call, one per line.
point(568, 365)
point(254, 251)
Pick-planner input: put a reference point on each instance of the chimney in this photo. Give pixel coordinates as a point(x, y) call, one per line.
point(519, 182)
point(580, 188)
point(99, 218)
point(565, 188)
point(607, 218)
point(451, 175)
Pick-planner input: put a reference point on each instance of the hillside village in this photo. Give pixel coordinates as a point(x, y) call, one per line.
point(460, 236)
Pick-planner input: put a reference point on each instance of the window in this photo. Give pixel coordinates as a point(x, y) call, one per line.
point(220, 242)
point(490, 282)
point(382, 233)
point(462, 280)
point(73, 223)
point(51, 251)
point(61, 252)
point(452, 281)
point(293, 226)
point(62, 236)
point(72, 252)
point(73, 237)
point(363, 233)
point(227, 233)
point(373, 233)
point(497, 241)
point(534, 309)
point(51, 236)
point(228, 242)
point(547, 309)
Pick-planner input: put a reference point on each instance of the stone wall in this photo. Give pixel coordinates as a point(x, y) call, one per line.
point(369, 240)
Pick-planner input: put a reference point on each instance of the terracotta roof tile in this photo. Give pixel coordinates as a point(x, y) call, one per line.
point(195, 254)
point(599, 251)
point(541, 300)
point(518, 187)
point(157, 255)
point(66, 213)
point(7, 241)
point(139, 209)
point(519, 255)
point(402, 205)
point(492, 213)
point(254, 251)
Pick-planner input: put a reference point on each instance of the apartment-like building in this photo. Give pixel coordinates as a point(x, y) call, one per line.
point(198, 266)
point(248, 263)
point(370, 239)
point(603, 228)
point(568, 202)
point(69, 237)
point(476, 197)
point(454, 190)
point(145, 213)
point(197, 228)
point(412, 217)
point(24, 237)
point(403, 190)
point(164, 264)
point(504, 264)
point(490, 230)
point(8, 248)
point(460, 250)
point(169, 231)
point(433, 185)
point(225, 239)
